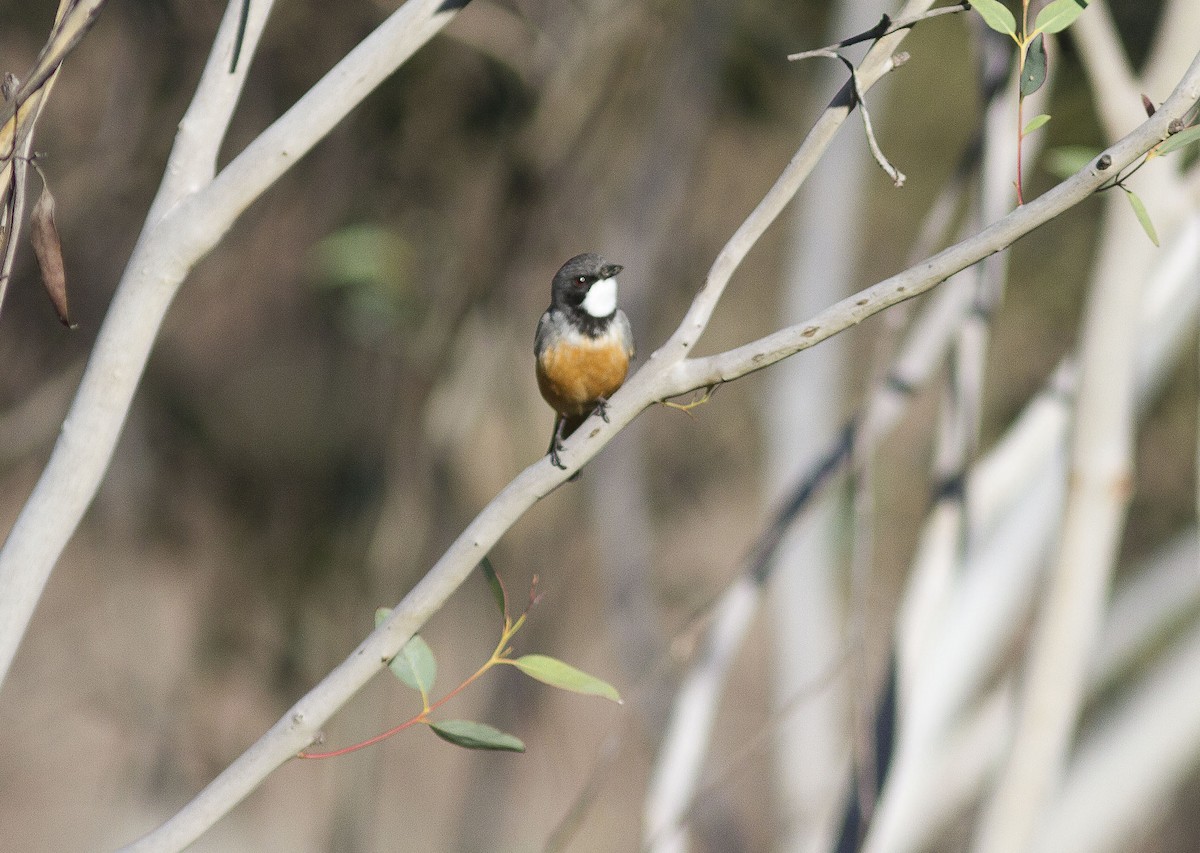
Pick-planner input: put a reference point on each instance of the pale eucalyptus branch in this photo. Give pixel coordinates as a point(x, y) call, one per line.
point(666, 374)
point(877, 63)
point(190, 215)
point(300, 726)
point(885, 27)
point(1071, 607)
point(90, 430)
point(691, 374)
point(693, 714)
point(192, 212)
point(898, 59)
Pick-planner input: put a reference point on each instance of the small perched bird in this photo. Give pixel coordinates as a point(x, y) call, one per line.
point(583, 344)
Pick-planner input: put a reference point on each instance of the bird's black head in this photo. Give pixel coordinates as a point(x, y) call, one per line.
point(587, 284)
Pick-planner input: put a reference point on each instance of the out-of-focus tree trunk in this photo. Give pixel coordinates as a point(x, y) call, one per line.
point(805, 410)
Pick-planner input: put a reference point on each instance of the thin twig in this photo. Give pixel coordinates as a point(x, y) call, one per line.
point(695, 402)
point(895, 174)
point(691, 374)
point(70, 27)
point(666, 374)
point(752, 357)
point(898, 59)
point(885, 27)
point(90, 430)
point(17, 192)
point(72, 23)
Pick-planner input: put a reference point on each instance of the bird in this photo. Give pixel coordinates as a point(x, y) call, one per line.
point(583, 345)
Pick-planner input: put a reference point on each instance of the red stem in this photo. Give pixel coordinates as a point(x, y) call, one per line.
point(346, 750)
point(422, 717)
point(1021, 48)
point(1020, 139)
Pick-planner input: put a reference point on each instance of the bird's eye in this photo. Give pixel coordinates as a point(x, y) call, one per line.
point(581, 281)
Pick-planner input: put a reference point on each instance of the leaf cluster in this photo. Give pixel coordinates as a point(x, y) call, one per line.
point(1054, 18)
point(416, 667)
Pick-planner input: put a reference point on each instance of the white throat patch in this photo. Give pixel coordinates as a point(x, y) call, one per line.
point(601, 299)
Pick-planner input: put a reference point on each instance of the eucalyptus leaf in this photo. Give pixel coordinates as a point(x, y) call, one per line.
point(493, 579)
point(1057, 16)
point(554, 672)
point(1035, 123)
point(415, 665)
point(1139, 210)
point(996, 15)
point(1179, 140)
point(47, 248)
point(472, 735)
point(1033, 75)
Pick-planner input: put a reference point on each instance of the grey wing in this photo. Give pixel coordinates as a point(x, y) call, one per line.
point(625, 331)
point(545, 327)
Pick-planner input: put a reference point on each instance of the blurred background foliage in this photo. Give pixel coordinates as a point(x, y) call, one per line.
point(347, 379)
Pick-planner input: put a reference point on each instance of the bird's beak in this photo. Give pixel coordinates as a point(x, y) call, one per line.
point(609, 270)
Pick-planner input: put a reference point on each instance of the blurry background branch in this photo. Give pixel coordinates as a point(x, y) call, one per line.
point(798, 550)
point(300, 726)
point(192, 212)
point(1099, 482)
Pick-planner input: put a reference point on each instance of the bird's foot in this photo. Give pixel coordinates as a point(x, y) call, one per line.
point(556, 442)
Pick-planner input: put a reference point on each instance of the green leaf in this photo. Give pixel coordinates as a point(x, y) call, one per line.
point(362, 256)
point(366, 274)
point(554, 672)
point(493, 579)
point(1035, 123)
point(996, 15)
point(471, 735)
point(1057, 16)
point(1139, 210)
point(1178, 140)
point(1033, 75)
point(1066, 161)
point(415, 665)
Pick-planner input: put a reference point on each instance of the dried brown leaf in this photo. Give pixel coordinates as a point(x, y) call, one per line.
point(43, 233)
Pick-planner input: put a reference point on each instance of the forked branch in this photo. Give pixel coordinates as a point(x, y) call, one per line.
point(667, 373)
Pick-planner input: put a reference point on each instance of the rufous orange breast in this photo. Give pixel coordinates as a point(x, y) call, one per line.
point(577, 371)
